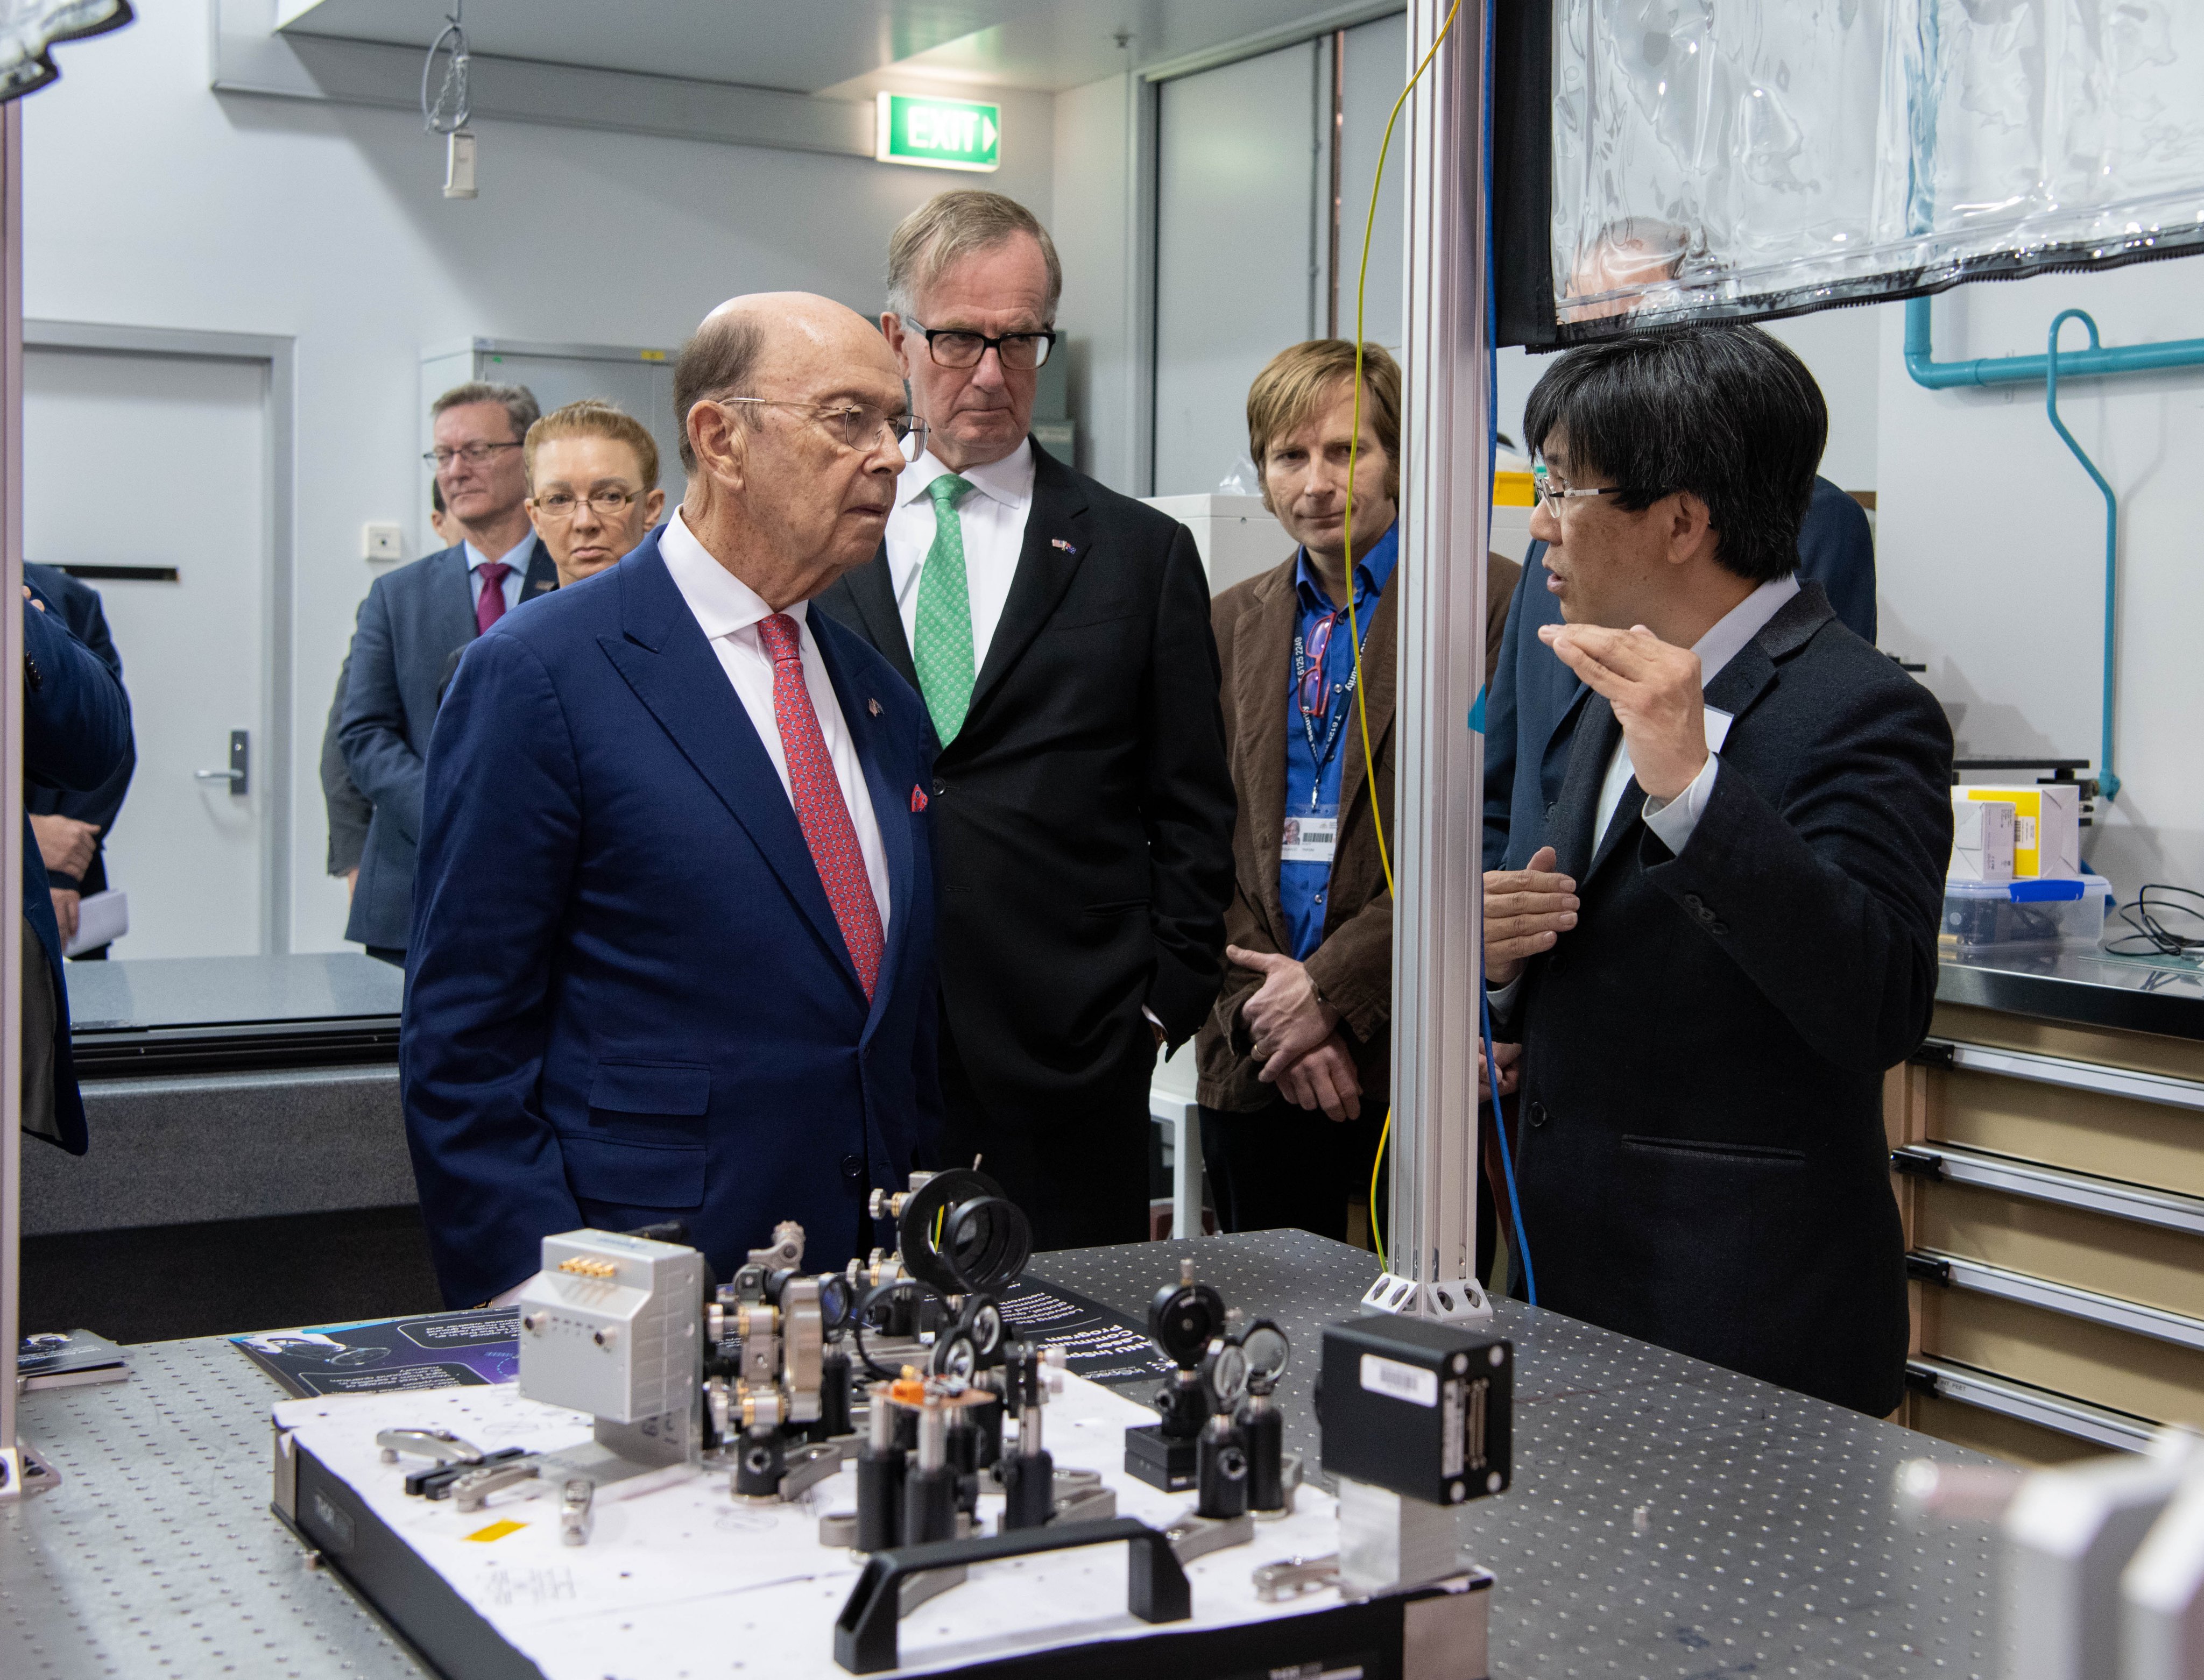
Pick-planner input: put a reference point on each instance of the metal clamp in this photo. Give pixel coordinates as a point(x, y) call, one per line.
point(807, 1466)
point(440, 1444)
point(1081, 1496)
point(469, 1492)
point(1290, 1577)
point(1194, 1536)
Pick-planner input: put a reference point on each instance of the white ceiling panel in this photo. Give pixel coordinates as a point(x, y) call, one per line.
point(847, 47)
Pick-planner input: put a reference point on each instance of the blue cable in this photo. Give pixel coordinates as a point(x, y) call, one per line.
point(1477, 714)
point(1507, 1159)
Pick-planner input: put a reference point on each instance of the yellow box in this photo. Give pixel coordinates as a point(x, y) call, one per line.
point(1513, 489)
point(2046, 826)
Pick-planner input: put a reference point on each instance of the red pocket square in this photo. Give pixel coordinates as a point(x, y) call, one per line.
point(917, 797)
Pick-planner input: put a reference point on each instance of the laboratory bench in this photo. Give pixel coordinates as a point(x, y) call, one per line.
point(1667, 1518)
point(2048, 1150)
point(238, 1107)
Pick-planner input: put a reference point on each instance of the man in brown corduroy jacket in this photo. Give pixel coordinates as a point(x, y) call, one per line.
point(1295, 1056)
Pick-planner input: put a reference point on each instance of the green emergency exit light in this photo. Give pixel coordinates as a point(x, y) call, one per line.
point(938, 133)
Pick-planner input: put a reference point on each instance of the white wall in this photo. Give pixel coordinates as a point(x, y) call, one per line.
point(152, 201)
point(1090, 189)
point(1992, 550)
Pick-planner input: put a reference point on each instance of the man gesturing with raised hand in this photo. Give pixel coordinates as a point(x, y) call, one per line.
point(1733, 934)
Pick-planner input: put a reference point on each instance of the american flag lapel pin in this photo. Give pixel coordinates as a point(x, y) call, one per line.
point(1059, 542)
point(917, 797)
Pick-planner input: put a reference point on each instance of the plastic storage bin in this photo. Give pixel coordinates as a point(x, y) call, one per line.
point(1990, 915)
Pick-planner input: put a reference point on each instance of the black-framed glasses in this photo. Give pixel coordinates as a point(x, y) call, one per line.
point(856, 424)
point(605, 504)
point(960, 347)
point(474, 454)
point(1554, 494)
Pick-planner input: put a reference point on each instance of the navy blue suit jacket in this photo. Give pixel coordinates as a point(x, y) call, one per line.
point(80, 608)
point(1531, 710)
point(401, 650)
point(76, 733)
point(628, 999)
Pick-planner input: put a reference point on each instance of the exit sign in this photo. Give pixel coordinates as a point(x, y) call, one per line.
point(938, 133)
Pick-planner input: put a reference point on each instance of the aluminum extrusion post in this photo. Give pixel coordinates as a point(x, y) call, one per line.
point(1438, 826)
point(19, 1472)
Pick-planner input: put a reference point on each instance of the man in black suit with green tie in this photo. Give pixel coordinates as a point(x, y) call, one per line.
point(1059, 634)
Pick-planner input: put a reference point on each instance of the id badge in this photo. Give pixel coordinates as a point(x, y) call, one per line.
point(1310, 835)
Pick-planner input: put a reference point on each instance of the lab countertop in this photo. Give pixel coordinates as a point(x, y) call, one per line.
point(2088, 988)
point(165, 1015)
point(149, 992)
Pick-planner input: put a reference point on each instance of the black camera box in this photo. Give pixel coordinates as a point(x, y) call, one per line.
point(1422, 1409)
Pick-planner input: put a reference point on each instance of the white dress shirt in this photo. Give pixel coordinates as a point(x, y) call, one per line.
point(1672, 820)
point(728, 611)
point(993, 516)
point(516, 560)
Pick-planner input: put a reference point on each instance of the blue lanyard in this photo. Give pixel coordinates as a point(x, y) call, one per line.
point(1321, 757)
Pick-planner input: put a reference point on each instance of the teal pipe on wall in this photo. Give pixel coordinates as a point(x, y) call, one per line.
point(2094, 363)
point(2055, 360)
point(2055, 365)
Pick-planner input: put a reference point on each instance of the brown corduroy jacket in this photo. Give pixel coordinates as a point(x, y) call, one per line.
point(1353, 968)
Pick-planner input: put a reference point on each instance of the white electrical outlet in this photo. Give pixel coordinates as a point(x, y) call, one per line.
point(382, 543)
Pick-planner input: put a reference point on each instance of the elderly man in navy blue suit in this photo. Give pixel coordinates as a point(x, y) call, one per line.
point(672, 943)
point(415, 620)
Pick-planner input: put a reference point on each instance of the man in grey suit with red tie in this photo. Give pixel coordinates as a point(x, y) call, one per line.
point(411, 624)
point(1059, 633)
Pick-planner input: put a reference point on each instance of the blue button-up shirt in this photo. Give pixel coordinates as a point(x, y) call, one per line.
point(1303, 889)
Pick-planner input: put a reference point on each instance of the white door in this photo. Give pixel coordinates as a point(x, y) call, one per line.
point(135, 460)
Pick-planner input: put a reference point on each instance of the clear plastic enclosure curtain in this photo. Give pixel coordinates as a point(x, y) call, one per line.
point(1749, 158)
point(30, 28)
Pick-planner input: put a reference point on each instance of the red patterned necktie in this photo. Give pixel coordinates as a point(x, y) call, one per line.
point(820, 809)
point(489, 605)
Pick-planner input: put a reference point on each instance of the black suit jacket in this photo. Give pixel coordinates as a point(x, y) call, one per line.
point(1083, 813)
point(1704, 1163)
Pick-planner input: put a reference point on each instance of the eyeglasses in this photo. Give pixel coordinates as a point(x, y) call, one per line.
point(856, 425)
point(955, 347)
point(474, 454)
point(605, 504)
point(1553, 491)
point(1315, 696)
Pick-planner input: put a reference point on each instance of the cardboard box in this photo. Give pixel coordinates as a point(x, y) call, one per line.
point(1982, 839)
point(2046, 826)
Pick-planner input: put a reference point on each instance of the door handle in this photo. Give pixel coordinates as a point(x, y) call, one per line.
point(240, 773)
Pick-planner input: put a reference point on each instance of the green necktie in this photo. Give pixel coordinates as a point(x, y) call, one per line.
point(944, 653)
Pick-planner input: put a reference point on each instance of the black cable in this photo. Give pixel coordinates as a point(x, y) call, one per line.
point(2151, 922)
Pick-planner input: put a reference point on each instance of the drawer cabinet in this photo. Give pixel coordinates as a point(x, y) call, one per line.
point(2050, 1179)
